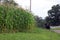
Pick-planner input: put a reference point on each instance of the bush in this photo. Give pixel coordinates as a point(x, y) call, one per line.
point(13, 19)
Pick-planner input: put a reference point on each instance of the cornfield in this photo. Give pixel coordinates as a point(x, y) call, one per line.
point(13, 19)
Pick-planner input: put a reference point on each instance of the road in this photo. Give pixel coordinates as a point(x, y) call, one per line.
point(57, 31)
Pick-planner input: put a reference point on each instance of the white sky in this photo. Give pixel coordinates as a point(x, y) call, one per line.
point(39, 7)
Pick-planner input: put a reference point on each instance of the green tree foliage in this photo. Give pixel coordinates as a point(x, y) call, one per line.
point(14, 19)
point(39, 21)
point(54, 15)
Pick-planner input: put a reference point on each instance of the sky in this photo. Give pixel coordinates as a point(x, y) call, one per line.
point(39, 7)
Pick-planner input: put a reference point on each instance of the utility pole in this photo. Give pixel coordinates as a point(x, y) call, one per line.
point(30, 5)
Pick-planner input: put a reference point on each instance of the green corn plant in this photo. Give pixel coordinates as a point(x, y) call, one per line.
point(13, 19)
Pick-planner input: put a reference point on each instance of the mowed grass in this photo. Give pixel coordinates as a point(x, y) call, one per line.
point(37, 34)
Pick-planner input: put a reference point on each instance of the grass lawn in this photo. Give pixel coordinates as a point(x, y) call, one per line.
point(38, 34)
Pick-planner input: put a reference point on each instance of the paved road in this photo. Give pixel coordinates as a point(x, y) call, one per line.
point(57, 31)
point(55, 26)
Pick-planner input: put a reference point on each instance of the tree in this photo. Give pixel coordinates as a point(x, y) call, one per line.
point(9, 2)
point(39, 21)
point(54, 15)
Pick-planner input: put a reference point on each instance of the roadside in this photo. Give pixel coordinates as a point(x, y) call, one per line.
point(55, 29)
